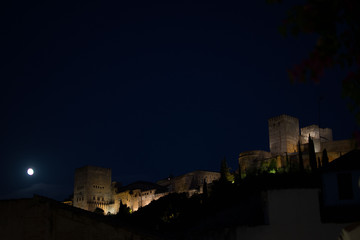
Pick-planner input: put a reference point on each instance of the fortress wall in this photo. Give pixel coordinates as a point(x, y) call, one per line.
point(318, 135)
point(80, 189)
point(341, 146)
point(92, 187)
point(193, 182)
point(252, 160)
point(326, 134)
point(130, 198)
point(283, 134)
point(317, 145)
point(312, 130)
point(331, 155)
point(190, 180)
point(136, 199)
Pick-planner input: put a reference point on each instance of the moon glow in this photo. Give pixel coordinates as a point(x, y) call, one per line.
point(30, 171)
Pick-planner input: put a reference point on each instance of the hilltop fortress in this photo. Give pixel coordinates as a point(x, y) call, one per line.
point(93, 186)
point(93, 189)
point(285, 136)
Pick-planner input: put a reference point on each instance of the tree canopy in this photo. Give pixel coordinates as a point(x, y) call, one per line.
point(312, 155)
point(336, 24)
point(226, 176)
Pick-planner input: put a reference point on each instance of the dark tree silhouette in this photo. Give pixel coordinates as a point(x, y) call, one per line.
point(301, 161)
point(238, 174)
point(226, 176)
point(325, 158)
point(288, 162)
point(124, 210)
point(312, 155)
point(99, 211)
point(336, 25)
point(205, 189)
point(319, 162)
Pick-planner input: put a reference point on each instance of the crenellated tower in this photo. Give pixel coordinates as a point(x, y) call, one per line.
point(92, 188)
point(283, 134)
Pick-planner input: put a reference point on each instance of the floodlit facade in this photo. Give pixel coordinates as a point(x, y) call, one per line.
point(284, 137)
point(190, 183)
point(283, 134)
point(93, 189)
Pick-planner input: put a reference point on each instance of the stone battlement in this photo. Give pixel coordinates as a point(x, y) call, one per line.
point(283, 134)
point(282, 117)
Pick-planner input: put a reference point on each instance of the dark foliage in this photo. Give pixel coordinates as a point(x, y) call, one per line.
point(301, 161)
point(312, 155)
point(205, 190)
point(124, 210)
point(170, 214)
point(325, 158)
point(336, 25)
point(99, 211)
point(226, 176)
point(177, 216)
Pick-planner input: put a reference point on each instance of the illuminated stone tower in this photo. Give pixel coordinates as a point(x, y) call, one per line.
point(318, 135)
point(92, 188)
point(283, 134)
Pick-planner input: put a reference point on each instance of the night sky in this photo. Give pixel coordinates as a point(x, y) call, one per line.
point(147, 89)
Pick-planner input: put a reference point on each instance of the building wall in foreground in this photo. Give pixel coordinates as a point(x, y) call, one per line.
point(292, 213)
point(44, 219)
point(331, 188)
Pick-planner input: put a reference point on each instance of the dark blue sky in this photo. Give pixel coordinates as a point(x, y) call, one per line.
point(147, 89)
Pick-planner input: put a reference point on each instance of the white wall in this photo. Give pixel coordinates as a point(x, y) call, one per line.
point(293, 214)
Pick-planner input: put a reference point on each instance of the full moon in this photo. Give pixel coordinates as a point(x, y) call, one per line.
point(30, 171)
